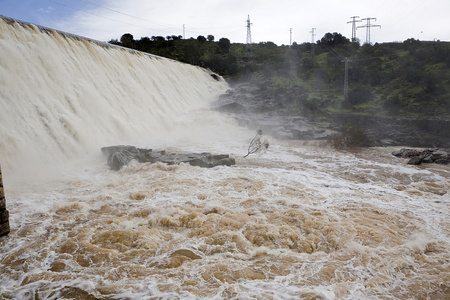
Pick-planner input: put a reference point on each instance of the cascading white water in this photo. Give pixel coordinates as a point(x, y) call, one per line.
point(301, 221)
point(62, 96)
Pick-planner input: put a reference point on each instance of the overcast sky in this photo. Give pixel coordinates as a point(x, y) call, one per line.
point(271, 20)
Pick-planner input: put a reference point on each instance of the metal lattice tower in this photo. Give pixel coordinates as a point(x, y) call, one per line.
point(249, 31)
point(354, 21)
point(290, 37)
point(346, 61)
point(368, 26)
point(313, 34)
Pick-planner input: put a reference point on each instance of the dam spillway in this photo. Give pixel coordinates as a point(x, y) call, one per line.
point(63, 95)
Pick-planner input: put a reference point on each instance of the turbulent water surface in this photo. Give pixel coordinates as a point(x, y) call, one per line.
point(300, 221)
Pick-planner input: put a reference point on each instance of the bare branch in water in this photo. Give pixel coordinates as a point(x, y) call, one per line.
point(256, 145)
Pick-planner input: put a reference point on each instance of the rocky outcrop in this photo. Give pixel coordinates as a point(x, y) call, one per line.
point(417, 157)
point(255, 107)
point(4, 214)
point(119, 156)
point(290, 113)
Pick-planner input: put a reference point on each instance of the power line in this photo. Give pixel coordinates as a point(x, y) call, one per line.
point(122, 13)
point(96, 15)
point(151, 24)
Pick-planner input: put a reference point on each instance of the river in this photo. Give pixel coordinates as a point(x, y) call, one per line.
point(299, 221)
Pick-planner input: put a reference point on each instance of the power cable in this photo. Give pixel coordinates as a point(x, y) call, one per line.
point(194, 30)
point(122, 13)
point(89, 13)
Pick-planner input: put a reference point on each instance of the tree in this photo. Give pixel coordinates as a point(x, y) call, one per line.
point(127, 40)
point(358, 95)
point(114, 41)
point(174, 37)
point(144, 44)
point(307, 63)
point(224, 45)
point(158, 39)
point(210, 38)
point(190, 52)
point(333, 39)
point(201, 39)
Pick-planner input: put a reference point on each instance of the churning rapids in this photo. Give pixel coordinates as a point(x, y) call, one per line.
point(301, 221)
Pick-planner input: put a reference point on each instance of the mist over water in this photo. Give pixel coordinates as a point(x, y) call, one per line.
point(301, 221)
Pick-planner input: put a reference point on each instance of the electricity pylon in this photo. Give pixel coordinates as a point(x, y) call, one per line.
point(290, 37)
point(249, 31)
point(313, 34)
point(368, 26)
point(249, 35)
point(354, 21)
point(346, 61)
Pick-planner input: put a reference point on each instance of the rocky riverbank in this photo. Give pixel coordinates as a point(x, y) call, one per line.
point(256, 107)
point(119, 156)
point(416, 157)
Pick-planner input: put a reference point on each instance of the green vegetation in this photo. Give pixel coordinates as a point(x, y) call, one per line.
point(409, 79)
point(350, 137)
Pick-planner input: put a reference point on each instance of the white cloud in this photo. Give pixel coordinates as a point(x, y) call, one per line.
point(271, 20)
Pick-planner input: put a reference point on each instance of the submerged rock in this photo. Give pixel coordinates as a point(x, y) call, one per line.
point(119, 156)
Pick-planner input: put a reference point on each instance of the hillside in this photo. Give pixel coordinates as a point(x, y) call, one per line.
point(389, 82)
point(408, 79)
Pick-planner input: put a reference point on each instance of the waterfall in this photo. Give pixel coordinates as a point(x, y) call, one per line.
point(63, 96)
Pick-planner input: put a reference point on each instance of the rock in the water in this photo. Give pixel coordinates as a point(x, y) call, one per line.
point(417, 157)
point(415, 160)
point(404, 152)
point(119, 156)
point(439, 154)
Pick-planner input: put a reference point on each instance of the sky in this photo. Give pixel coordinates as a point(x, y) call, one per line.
point(278, 21)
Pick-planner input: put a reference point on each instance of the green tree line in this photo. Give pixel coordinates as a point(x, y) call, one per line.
point(202, 51)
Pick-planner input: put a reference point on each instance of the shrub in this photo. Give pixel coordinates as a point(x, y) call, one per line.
point(350, 137)
point(356, 96)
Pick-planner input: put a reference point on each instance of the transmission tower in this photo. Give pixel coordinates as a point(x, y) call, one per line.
point(354, 21)
point(368, 26)
point(313, 34)
point(249, 36)
point(249, 31)
point(346, 61)
point(290, 37)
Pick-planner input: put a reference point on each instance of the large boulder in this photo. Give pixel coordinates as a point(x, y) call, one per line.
point(119, 156)
point(416, 157)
